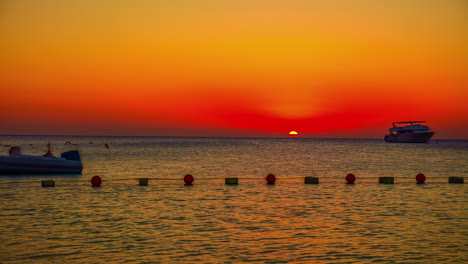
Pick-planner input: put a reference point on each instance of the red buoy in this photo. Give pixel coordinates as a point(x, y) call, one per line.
point(188, 179)
point(96, 181)
point(350, 178)
point(270, 178)
point(420, 178)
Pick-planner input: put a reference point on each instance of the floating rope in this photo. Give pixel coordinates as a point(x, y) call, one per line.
point(97, 181)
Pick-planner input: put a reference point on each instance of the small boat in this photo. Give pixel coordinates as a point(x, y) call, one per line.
point(409, 132)
point(17, 163)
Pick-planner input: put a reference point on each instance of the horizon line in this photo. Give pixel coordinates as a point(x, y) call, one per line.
point(259, 137)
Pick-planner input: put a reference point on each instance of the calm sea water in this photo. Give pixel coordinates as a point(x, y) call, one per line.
point(209, 222)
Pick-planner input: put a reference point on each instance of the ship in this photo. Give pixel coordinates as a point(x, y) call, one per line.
point(409, 132)
point(16, 163)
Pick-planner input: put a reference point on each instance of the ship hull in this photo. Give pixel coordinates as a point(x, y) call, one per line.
point(39, 165)
point(409, 137)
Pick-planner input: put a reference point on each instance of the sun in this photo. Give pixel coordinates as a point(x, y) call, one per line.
point(293, 133)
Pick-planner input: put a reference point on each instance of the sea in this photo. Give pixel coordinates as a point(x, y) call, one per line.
point(167, 221)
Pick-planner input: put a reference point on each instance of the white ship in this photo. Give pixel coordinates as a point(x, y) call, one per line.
point(409, 132)
point(17, 163)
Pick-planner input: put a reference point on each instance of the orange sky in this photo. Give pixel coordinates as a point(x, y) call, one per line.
point(233, 68)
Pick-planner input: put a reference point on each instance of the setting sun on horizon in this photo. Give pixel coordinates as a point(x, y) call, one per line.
point(232, 68)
